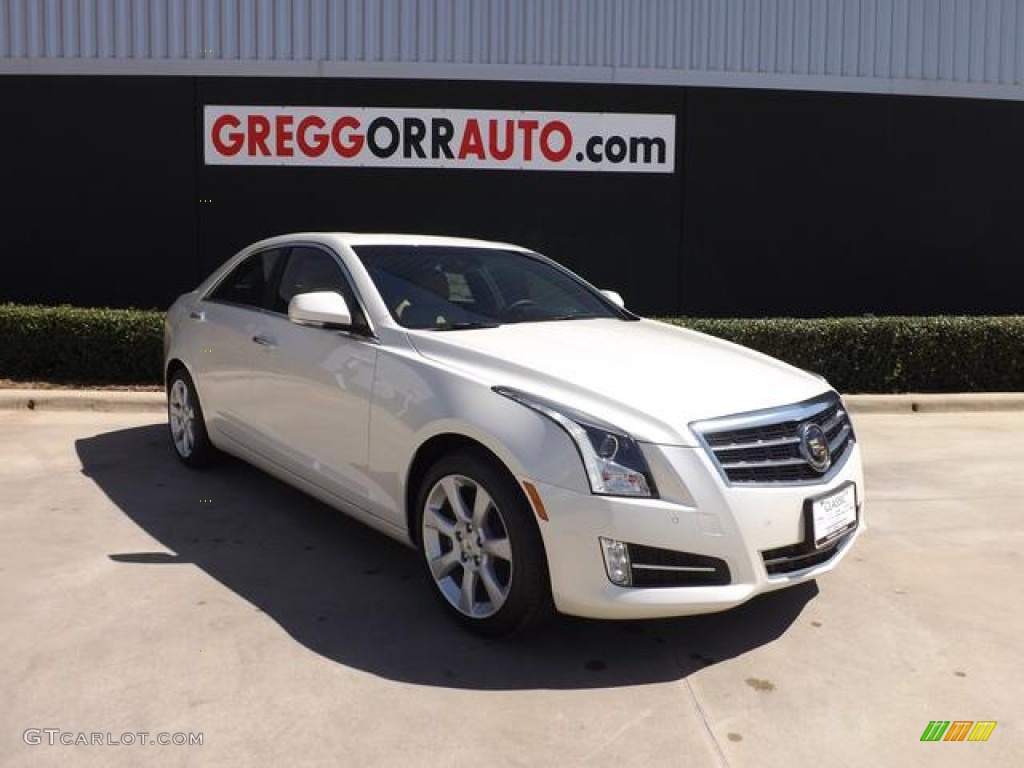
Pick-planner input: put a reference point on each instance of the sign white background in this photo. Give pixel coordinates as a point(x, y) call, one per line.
point(423, 138)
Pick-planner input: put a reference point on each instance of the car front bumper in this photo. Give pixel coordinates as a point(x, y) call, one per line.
point(697, 514)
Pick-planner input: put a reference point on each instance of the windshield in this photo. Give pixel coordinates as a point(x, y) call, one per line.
point(453, 287)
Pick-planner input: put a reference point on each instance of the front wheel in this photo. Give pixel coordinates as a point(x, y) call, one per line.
point(481, 546)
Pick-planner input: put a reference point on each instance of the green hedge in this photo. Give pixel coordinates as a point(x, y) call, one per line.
point(890, 354)
point(869, 354)
point(82, 346)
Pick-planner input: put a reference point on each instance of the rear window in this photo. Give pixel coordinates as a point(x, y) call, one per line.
point(250, 282)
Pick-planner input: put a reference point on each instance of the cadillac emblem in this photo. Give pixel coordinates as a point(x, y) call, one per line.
point(814, 447)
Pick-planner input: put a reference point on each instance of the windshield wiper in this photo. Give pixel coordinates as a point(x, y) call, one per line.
point(574, 316)
point(463, 325)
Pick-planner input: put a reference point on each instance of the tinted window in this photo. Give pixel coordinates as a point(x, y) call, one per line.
point(446, 287)
point(250, 282)
point(309, 270)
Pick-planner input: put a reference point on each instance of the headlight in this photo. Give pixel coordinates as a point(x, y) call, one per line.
point(612, 459)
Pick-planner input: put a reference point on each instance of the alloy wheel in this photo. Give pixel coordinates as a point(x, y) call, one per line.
point(467, 546)
point(182, 417)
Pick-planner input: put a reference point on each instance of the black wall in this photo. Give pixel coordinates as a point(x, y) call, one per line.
point(825, 204)
point(783, 203)
point(99, 190)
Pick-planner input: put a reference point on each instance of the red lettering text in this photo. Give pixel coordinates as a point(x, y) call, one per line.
point(259, 130)
point(472, 141)
point(235, 139)
point(319, 142)
point(355, 141)
point(555, 126)
point(283, 145)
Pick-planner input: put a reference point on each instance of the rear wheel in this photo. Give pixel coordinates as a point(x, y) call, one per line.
point(481, 546)
point(185, 420)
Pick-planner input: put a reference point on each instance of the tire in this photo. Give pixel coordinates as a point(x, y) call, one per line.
point(483, 553)
point(185, 422)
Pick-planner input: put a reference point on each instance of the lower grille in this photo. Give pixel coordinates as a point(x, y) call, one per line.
point(654, 567)
point(796, 557)
point(766, 447)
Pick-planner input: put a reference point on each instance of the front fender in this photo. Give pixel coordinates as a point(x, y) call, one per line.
point(416, 400)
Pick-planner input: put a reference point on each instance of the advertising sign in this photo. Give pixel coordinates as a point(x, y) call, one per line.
point(439, 138)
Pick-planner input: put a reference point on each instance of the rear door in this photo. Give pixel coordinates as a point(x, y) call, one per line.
point(229, 319)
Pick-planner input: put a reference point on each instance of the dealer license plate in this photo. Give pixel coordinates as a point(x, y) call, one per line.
point(834, 515)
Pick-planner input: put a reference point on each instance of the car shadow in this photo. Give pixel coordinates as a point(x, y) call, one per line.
point(358, 598)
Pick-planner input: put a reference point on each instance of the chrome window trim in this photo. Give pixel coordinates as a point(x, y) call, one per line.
point(207, 295)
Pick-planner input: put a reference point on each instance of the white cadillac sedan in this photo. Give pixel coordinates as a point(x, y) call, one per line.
point(539, 445)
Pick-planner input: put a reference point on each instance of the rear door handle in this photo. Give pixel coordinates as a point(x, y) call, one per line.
point(264, 341)
point(200, 316)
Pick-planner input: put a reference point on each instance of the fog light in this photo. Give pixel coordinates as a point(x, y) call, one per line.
point(616, 561)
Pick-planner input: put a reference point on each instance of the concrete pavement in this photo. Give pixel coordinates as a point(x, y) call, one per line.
point(142, 597)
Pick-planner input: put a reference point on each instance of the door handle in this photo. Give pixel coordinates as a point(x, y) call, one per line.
point(200, 316)
point(264, 341)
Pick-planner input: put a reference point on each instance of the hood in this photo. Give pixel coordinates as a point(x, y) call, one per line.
point(648, 378)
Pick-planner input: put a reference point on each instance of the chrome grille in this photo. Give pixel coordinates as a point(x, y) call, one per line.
point(763, 447)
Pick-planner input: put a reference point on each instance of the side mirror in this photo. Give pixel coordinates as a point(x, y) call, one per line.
point(325, 308)
point(614, 298)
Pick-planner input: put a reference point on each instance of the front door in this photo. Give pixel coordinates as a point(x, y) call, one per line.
point(312, 386)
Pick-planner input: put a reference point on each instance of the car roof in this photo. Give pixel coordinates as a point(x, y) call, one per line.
point(356, 239)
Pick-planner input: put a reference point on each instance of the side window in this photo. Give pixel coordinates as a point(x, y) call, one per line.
point(248, 284)
point(311, 269)
point(307, 270)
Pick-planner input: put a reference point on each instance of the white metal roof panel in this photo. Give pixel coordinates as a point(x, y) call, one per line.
point(952, 47)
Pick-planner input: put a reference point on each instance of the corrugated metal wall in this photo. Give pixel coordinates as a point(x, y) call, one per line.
point(938, 41)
